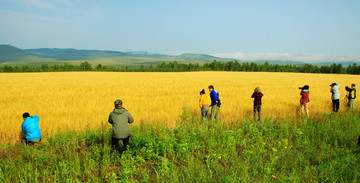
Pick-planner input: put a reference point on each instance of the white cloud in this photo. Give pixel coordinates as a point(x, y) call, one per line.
point(286, 57)
point(37, 3)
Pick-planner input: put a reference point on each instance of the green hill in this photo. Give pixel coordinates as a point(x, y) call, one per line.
point(11, 55)
point(73, 54)
point(198, 57)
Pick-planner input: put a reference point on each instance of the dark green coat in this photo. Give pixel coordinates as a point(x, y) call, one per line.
point(119, 118)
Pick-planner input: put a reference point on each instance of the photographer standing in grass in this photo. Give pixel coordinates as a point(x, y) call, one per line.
point(335, 96)
point(215, 103)
point(204, 104)
point(257, 95)
point(30, 127)
point(119, 118)
point(304, 100)
point(351, 95)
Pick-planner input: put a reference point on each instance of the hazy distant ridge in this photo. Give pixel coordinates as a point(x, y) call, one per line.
point(74, 54)
point(10, 53)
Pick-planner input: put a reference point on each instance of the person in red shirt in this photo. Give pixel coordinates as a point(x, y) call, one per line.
point(257, 95)
point(304, 100)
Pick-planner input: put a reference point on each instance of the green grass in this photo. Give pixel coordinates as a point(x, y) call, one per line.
point(319, 149)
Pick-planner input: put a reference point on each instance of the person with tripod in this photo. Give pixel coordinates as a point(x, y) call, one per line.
point(351, 95)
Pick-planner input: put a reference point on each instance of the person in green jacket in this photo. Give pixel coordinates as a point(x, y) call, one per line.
point(119, 118)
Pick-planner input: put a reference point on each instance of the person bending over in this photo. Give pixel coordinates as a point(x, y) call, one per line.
point(30, 127)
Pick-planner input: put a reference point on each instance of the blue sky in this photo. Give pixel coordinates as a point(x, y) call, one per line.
point(307, 30)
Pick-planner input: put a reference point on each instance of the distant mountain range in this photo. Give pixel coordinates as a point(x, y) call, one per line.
point(15, 56)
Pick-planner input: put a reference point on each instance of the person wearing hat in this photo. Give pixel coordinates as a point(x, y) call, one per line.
point(257, 95)
point(119, 118)
point(335, 96)
point(351, 95)
point(204, 104)
point(30, 127)
point(215, 103)
point(304, 100)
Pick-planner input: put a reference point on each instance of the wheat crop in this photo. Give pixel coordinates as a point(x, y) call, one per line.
point(83, 100)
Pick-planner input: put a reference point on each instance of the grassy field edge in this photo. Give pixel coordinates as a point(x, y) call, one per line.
point(316, 149)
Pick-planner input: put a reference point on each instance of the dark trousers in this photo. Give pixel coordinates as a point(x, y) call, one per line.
point(336, 105)
point(24, 140)
point(115, 143)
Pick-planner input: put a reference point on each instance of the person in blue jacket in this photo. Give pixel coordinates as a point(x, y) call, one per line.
point(215, 103)
point(30, 127)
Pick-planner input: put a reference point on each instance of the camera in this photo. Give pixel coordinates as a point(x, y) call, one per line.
point(305, 87)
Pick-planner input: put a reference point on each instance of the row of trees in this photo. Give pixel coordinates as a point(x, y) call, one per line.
point(183, 67)
point(84, 66)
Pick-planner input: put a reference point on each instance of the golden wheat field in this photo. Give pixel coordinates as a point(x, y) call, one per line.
point(82, 100)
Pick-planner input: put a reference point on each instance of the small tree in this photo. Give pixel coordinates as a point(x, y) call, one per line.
point(99, 67)
point(45, 67)
point(142, 68)
point(85, 66)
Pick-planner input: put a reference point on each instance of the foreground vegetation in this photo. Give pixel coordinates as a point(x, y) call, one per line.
point(318, 149)
point(184, 67)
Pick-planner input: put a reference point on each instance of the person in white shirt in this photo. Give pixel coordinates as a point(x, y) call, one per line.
point(335, 96)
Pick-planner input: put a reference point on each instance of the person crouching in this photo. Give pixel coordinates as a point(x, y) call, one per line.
point(30, 127)
point(119, 118)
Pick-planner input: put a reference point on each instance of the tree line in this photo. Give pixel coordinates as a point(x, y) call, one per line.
point(185, 67)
